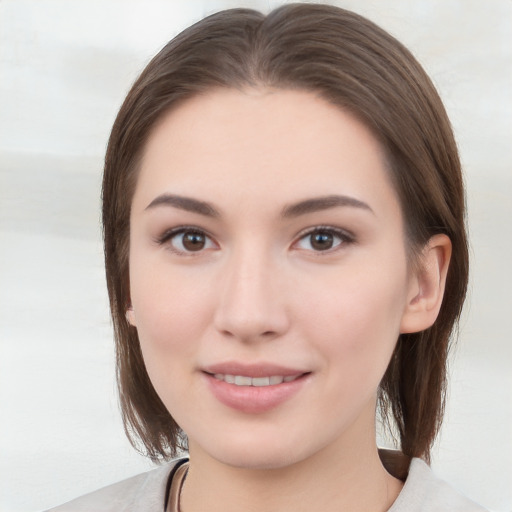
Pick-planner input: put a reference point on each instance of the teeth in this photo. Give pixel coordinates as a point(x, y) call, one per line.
point(243, 380)
point(261, 381)
point(240, 380)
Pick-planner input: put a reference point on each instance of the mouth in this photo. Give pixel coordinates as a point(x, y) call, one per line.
point(253, 389)
point(245, 380)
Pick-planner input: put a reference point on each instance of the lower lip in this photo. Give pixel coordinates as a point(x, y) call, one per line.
point(254, 399)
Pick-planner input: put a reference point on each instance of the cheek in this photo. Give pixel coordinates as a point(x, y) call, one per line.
point(357, 318)
point(171, 308)
point(172, 313)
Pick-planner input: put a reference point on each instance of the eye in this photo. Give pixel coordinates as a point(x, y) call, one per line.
point(323, 239)
point(187, 240)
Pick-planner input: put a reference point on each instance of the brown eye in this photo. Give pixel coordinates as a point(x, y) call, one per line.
point(321, 240)
point(187, 240)
point(324, 239)
point(193, 241)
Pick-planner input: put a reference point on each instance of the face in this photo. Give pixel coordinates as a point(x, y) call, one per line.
point(268, 274)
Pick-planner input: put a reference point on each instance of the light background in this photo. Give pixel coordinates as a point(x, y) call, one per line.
point(65, 66)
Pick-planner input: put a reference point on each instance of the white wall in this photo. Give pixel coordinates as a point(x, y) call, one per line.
point(65, 66)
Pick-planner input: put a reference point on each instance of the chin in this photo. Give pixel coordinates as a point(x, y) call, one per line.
point(255, 452)
point(259, 460)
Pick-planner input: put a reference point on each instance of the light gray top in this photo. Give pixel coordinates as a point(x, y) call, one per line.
point(422, 492)
point(140, 493)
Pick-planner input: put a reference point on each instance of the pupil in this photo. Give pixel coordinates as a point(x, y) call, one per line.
point(321, 241)
point(193, 241)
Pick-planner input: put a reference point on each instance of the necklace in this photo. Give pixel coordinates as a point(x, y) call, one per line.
point(176, 485)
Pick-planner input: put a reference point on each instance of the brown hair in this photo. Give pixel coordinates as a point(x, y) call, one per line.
point(357, 66)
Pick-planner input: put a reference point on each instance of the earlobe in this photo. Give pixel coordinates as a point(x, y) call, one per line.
point(130, 316)
point(427, 285)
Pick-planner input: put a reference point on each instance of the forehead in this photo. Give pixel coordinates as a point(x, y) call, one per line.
point(263, 144)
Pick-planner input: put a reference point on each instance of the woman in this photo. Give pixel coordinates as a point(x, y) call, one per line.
point(283, 216)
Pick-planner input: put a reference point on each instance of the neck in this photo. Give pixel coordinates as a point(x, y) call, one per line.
point(343, 476)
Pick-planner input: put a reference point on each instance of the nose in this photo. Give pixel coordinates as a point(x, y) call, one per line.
point(252, 302)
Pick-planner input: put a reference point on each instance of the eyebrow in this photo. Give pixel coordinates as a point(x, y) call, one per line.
point(184, 203)
point(322, 203)
point(294, 210)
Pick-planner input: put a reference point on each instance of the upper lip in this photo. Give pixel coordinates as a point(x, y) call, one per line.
point(252, 369)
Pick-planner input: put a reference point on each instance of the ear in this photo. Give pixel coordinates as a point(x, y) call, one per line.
point(427, 284)
point(130, 316)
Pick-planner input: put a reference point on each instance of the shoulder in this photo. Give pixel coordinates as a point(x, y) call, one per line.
point(424, 492)
point(144, 492)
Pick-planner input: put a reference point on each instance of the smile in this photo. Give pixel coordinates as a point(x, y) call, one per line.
point(244, 380)
point(254, 389)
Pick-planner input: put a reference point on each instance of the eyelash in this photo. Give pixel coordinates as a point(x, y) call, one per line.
point(343, 236)
point(166, 238)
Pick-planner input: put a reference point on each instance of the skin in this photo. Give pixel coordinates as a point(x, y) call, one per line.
point(259, 290)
